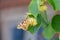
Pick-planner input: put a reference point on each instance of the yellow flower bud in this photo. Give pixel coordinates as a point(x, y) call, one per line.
point(32, 21)
point(43, 8)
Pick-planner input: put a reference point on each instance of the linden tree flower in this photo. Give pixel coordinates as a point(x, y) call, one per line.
point(43, 8)
point(32, 21)
point(25, 24)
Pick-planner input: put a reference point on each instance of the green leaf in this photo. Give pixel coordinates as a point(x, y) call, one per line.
point(33, 7)
point(44, 23)
point(34, 29)
point(44, 19)
point(55, 4)
point(48, 32)
point(56, 23)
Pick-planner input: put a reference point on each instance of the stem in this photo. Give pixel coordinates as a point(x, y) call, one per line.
point(59, 36)
point(44, 15)
point(44, 19)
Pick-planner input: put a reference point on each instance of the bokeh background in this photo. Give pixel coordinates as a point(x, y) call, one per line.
point(12, 12)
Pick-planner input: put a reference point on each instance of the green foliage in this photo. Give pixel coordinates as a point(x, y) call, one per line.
point(44, 17)
point(41, 17)
point(33, 7)
point(55, 4)
point(42, 20)
point(48, 32)
point(56, 23)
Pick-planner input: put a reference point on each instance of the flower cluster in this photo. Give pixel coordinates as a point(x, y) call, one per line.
point(28, 21)
point(42, 7)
